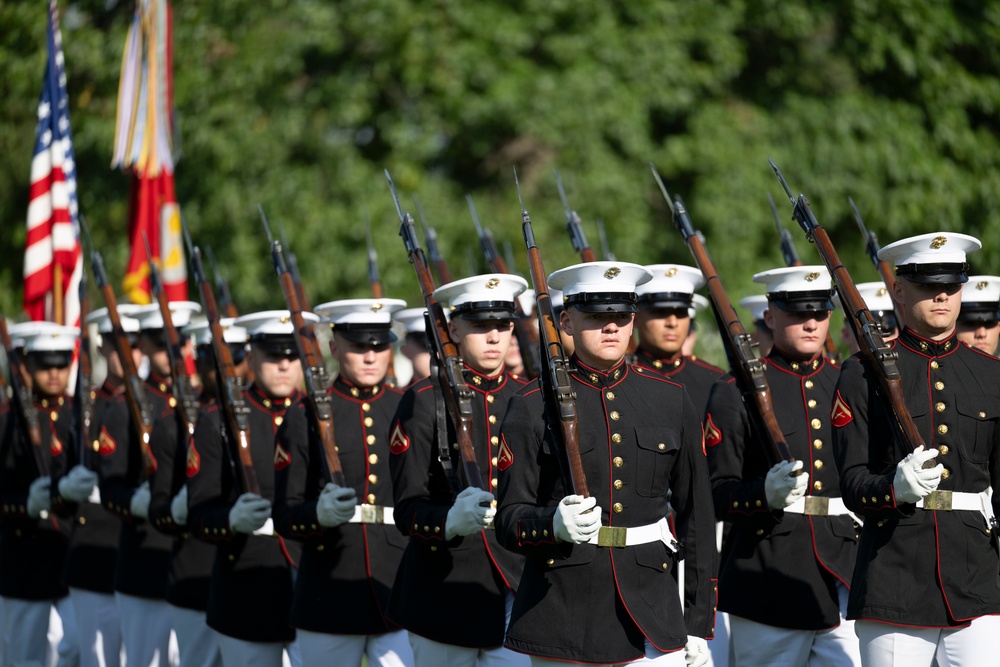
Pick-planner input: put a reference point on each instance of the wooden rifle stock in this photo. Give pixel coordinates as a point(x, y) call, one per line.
point(24, 403)
point(747, 368)
point(230, 387)
point(791, 257)
point(313, 366)
point(885, 270)
point(457, 395)
point(557, 390)
point(524, 330)
point(878, 357)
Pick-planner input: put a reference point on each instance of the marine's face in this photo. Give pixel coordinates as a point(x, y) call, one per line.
point(483, 343)
point(361, 364)
point(983, 336)
point(48, 381)
point(600, 339)
point(931, 310)
point(662, 331)
point(278, 375)
point(798, 335)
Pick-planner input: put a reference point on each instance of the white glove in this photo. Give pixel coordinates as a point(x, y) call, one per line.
point(912, 482)
point(179, 507)
point(139, 505)
point(78, 484)
point(781, 488)
point(249, 513)
point(39, 496)
point(335, 505)
point(577, 519)
point(696, 652)
point(472, 512)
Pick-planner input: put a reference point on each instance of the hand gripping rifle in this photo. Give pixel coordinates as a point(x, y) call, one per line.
point(183, 391)
point(433, 251)
point(457, 395)
point(226, 302)
point(747, 368)
point(135, 392)
point(573, 226)
point(527, 337)
point(557, 391)
point(24, 403)
point(230, 388)
point(884, 269)
point(313, 368)
point(878, 357)
point(791, 257)
point(377, 293)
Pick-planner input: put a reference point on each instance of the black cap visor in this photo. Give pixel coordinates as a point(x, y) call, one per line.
point(50, 359)
point(365, 334)
point(603, 302)
point(979, 313)
point(484, 310)
point(279, 345)
point(802, 302)
point(665, 300)
point(934, 274)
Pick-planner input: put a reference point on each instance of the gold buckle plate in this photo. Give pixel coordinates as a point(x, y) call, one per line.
point(816, 506)
point(938, 500)
point(372, 514)
point(612, 536)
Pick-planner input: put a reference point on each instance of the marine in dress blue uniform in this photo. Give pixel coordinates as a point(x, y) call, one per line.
point(597, 584)
point(453, 559)
point(33, 541)
point(979, 317)
point(414, 347)
point(250, 592)
point(879, 302)
point(925, 581)
point(787, 562)
point(351, 548)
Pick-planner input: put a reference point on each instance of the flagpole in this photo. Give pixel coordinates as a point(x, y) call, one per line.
point(58, 314)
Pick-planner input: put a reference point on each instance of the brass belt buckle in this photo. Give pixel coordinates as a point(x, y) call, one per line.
point(612, 536)
point(938, 500)
point(817, 506)
point(372, 514)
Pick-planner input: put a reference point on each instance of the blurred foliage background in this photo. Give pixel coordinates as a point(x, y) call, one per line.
point(300, 104)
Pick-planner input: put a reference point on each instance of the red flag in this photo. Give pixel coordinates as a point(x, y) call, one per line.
point(53, 263)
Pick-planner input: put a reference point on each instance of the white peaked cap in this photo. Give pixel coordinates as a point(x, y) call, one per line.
point(756, 304)
point(491, 292)
point(527, 301)
point(19, 331)
point(596, 286)
point(982, 289)
point(412, 319)
point(50, 337)
point(795, 279)
point(201, 333)
point(672, 279)
point(180, 314)
point(933, 248)
point(126, 313)
point(271, 323)
point(876, 296)
point(359, 311)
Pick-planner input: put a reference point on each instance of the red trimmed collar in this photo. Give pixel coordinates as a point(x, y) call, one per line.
point(927, 347)
point(796, 367)
point(482, 383)
point(354, 392)
point(598, 378)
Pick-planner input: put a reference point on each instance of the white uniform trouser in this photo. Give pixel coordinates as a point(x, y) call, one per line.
point(241, 653)
point(429, 653)
point(39, 633)
point(97, 627)
point(391, 649)
point(769, 646)
point(654, 658)
point(721, 646)
point(885, 645)
point(197, 643)
point(145, 630)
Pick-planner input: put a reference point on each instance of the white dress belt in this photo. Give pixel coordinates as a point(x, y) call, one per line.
point(948, 501)
point(372, 514)
point(822, 506)
point(620, 536)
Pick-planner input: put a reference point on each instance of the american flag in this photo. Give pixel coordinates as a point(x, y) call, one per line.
point(53, 244)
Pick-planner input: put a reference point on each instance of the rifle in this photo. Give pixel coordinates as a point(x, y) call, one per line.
point(878, 357)
point(602, 234)
point(792, 259)
point(376, 283)
point(83, 401)
point(574, 227)
point(557, 390)
point(135, 392)
point(313, 367)
point(230, 388)
point(747, 368)
point(24, 403)
point(430, 236)
point(226, 302)
point(183, 391)
point(884, 270)
point(527, 336)
point(293, 269)
point(457, 395)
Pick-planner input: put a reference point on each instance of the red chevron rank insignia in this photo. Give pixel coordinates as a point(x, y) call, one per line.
point(106, 445)
point(505, 457)
point(193, 460)
point(713, 435)
point(399, 442)
point(282, 458)
point(840, 414)
point(56, 446)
